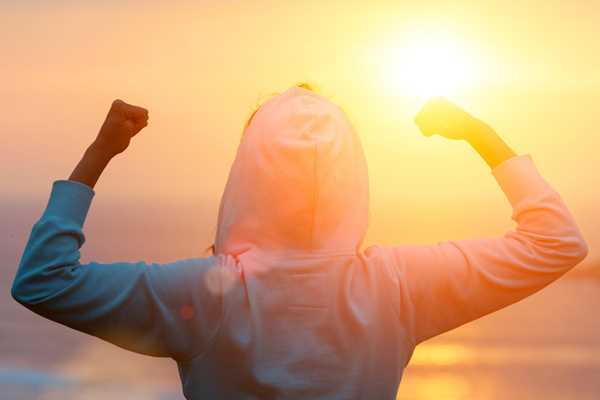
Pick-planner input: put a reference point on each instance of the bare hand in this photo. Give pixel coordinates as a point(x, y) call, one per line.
point(122, 123)
point(439, 116)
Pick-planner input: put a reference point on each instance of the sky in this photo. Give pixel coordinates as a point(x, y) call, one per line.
point(530, 69)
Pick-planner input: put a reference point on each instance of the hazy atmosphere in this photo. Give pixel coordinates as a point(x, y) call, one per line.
point(530, 69)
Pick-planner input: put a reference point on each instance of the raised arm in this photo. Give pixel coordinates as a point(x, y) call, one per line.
point(441, 117)
point(456, 281)
point(122, 123)
point(170, 310)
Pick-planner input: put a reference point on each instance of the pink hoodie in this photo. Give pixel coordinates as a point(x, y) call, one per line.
point(312, 316)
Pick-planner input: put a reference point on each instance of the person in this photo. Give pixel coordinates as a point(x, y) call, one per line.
point(289, 306)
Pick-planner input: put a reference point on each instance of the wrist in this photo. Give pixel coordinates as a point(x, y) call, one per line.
point(97, 151)
point(491, 147)
point(479, 131)
point(89, 169)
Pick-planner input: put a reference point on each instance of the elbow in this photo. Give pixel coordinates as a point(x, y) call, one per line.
point(21, 290)
point(580, 250)
point(558, 253)
point(18, 291)
point(574, 251)
point(24, 292)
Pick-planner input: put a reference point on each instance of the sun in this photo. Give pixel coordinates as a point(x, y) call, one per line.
point(426, 64)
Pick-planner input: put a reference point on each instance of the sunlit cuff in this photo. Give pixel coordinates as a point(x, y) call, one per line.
point(69, 200)
point(519, 178)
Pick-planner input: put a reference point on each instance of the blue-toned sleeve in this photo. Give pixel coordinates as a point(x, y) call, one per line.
point(170, 310)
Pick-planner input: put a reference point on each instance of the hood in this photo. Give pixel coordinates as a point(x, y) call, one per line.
point(298, 183)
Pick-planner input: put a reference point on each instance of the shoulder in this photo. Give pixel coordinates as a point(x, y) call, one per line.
point(203, 276)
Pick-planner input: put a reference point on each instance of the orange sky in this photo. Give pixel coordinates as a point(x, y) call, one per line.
point(202, 67)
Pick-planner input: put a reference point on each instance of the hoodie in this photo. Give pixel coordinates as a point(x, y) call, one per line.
point(290, 307)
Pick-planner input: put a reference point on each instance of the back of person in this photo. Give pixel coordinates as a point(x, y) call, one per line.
point(315, 327)
point(305, 314)
point(290, 306)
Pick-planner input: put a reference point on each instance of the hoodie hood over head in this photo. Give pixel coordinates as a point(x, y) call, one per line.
point(299, 181)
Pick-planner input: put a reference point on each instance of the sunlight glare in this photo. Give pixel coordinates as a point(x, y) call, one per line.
point(427, 64)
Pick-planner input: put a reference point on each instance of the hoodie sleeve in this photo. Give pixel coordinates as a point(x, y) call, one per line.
point(457, 281)
point(164, 310)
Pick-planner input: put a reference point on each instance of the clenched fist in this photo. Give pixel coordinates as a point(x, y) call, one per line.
point(122, 123)
point(439, 116)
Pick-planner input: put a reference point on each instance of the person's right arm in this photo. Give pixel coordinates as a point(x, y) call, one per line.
point(456, 281)
point(166, 310)
point(169, 310)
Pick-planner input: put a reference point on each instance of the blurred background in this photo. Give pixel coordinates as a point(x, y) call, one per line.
point(530, 69)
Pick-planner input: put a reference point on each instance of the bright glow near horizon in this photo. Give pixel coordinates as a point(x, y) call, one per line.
point(201, 69)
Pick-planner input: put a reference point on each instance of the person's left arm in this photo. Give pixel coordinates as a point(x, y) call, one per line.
point(122, 123)
point(160, 310)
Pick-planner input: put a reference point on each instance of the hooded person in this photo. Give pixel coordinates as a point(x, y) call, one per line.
point(290, 306)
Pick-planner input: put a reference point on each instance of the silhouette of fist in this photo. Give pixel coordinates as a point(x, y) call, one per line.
point(122, 123)
point(439, 116)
